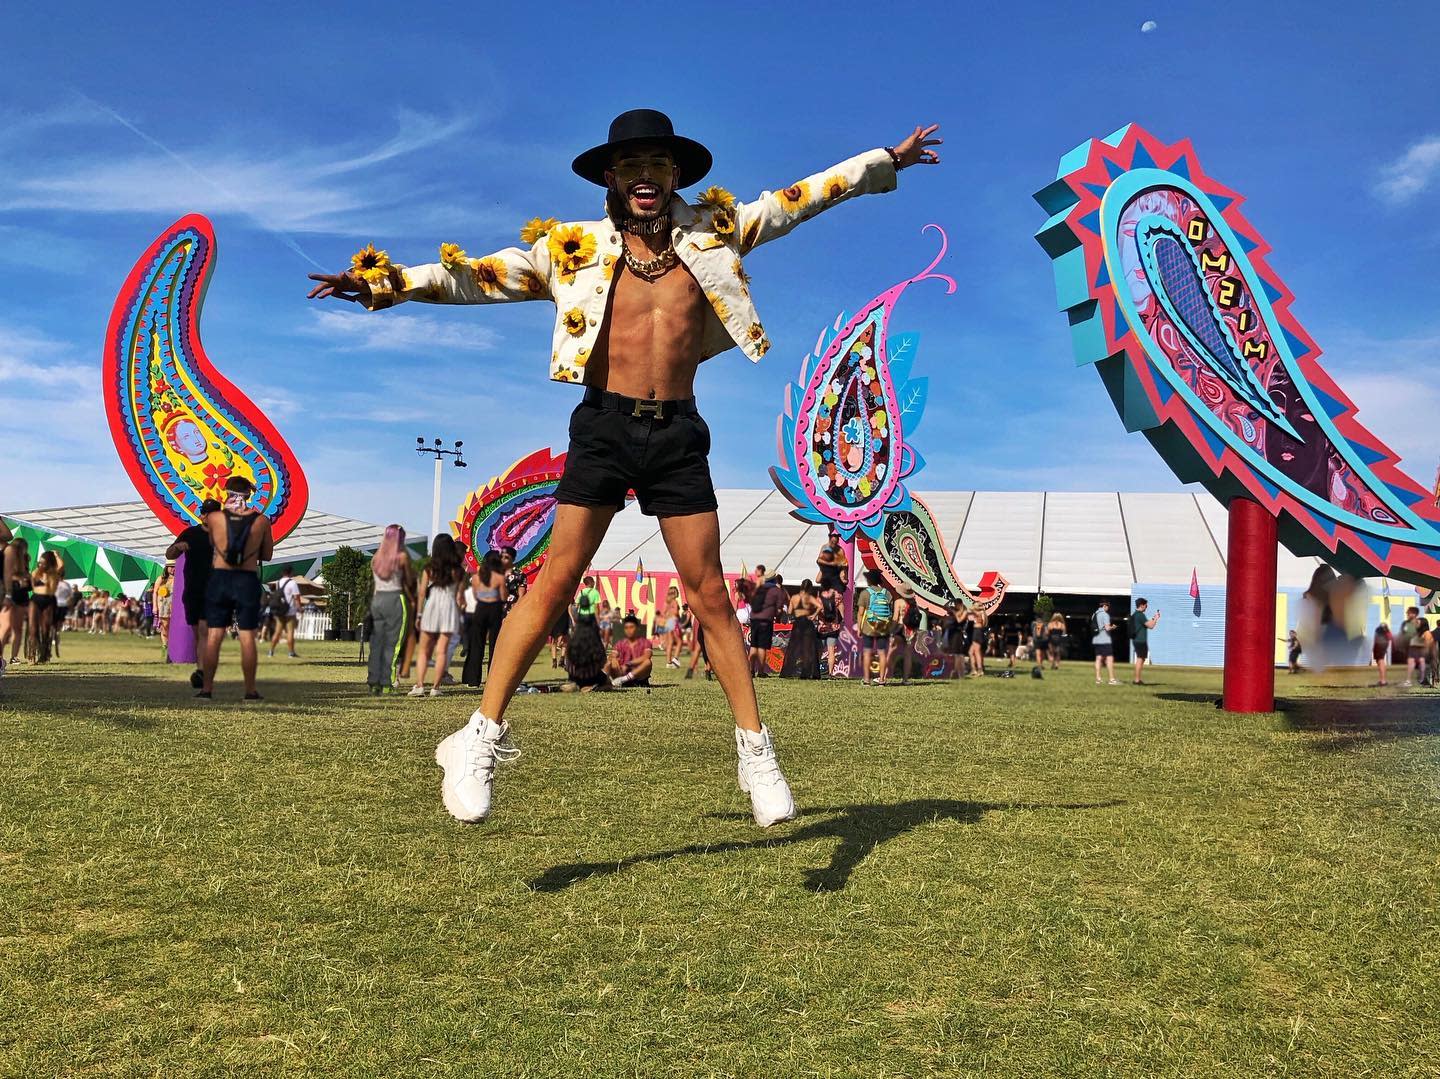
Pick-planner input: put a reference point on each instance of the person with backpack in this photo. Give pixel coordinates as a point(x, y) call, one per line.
point(874, 619)
point(828, 624)
point(287, 617)
point(1100, 628)
point(241, 539)
point(1140, 627)
point(766, 606)
point(905, 631)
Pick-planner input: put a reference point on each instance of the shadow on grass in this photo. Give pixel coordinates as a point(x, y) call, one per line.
point(1190, 698)
point(859, 829)
point(1349, 723)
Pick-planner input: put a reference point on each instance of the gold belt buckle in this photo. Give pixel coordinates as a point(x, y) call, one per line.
point(652, 407)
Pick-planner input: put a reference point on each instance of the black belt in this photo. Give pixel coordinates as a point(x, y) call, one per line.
point(639, 407)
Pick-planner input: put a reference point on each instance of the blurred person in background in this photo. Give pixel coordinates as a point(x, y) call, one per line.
point(834, 567)
point(802, 654)
point(440, 584)
point(979, 640)
point(667, 630)
point(515, 581)
point(829, 622)
point(194, 543)
point(874, 619)
point(390, 608)
point(44, 581)
point(1380, 649)
point(1055, 636)
point(162, 599)
point(16, 608)
point(1101, 626)
point(1140, 627)
point(768, 603)
point(287, 619)
point(66, 596)
point(487, 591)
point(1039, 640)
point(905, 632)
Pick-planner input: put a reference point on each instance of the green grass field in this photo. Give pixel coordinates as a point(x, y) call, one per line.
point(1010, 878)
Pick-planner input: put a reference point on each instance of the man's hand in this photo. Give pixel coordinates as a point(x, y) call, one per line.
point(343, 286)
point(915, 150)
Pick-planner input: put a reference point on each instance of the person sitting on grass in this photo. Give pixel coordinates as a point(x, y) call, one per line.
point(632, 662)
point(585, 662)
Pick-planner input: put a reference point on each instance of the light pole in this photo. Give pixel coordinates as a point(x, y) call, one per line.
point(440, 455)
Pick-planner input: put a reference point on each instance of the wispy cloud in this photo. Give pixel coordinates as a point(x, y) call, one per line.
point(1411, 173)
point(395, 332)
point(30, 359)
point(306, 188)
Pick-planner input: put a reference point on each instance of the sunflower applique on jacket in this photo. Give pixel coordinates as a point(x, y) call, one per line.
point(573, 263)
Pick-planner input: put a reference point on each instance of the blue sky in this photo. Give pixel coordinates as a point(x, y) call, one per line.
point(304, 135)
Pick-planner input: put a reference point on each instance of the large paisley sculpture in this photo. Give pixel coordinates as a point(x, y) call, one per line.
point(1168, 293)
point(845, 456)
point(514, 509)
point(181, 428)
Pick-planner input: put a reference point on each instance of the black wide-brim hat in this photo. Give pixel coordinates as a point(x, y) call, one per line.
point(645, 127)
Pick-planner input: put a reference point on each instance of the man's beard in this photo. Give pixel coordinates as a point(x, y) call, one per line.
point(618, 207)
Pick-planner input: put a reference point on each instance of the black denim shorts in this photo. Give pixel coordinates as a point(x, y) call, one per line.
point(232, 593)
point(665, 462)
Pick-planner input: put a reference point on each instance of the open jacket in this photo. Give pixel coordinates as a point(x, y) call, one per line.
point(572, 264)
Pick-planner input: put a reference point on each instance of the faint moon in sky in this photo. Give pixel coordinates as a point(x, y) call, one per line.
point(1149, 26)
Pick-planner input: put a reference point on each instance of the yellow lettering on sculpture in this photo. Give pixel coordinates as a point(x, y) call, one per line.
point(1220, 262)
point(1256, 350)
point(1229, 289)
point(1197, 230)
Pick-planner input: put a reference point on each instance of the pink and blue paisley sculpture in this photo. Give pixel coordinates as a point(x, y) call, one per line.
point(844, 454)
point(180, 427)
point(1169, 295)
point(514, 509)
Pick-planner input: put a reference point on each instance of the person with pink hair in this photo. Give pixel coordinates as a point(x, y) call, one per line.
point(390, 608)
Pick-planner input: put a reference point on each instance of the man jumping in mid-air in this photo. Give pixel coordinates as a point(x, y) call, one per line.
point(642, 296)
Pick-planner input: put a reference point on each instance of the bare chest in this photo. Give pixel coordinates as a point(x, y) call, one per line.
point(674, 301)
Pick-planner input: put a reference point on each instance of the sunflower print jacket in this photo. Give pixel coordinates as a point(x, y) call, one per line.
point(573, 264)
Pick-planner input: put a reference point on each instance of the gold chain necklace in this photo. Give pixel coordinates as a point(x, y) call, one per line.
point(650, 269)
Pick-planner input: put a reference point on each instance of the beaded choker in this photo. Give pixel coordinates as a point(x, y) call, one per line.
point(646, 226)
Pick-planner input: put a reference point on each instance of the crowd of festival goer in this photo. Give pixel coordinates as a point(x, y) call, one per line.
point(422, 616)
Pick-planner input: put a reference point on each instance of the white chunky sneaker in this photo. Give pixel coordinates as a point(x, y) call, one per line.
point(468, 757)
point(761, 778)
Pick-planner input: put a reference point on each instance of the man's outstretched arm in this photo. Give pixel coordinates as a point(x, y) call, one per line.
point(775, 213)
point(507, 276)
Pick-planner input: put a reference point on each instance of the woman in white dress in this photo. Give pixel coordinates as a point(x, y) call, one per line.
point(440, 584)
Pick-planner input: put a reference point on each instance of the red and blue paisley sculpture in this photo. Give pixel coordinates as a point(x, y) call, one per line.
point(514, 509)
point(181, 428)
point(1168, 293)
point(844, 455)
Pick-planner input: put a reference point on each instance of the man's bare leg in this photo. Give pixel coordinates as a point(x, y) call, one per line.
point(574, 540)
point(249, 656)
point(694, 544)
point(212, 656)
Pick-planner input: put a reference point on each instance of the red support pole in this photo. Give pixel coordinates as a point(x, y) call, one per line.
point(1250, 609)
